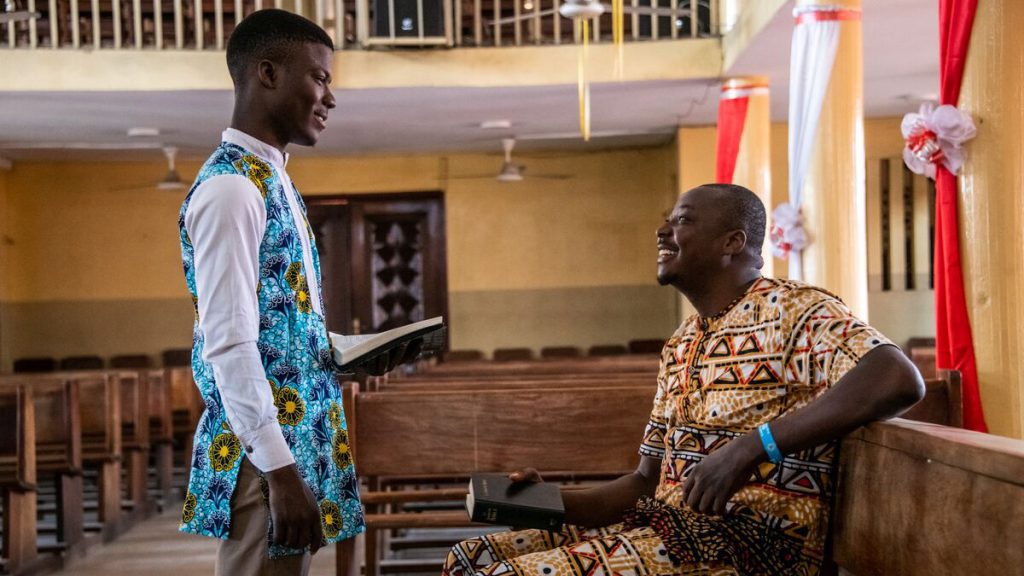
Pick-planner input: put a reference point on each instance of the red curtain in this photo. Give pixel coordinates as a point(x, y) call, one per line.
point(953, 339)
point(732, 114)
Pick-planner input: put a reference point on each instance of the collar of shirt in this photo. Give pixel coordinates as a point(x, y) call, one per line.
point(260, 148)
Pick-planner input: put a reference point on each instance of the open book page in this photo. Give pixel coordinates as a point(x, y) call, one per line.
point(349, 351)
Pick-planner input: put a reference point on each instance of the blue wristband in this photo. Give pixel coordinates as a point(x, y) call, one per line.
point(769, 444)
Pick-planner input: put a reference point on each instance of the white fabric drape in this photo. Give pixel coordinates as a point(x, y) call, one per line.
point(811, 60)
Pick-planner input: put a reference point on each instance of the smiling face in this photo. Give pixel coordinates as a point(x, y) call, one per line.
point(302, 94)
point(694, 242)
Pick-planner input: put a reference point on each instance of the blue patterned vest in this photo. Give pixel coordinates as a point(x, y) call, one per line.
point(295, 350)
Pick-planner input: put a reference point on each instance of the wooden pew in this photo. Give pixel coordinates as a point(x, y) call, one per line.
point(18, 475)
point(919, 499)
point(604, 350)
point(186, 408)
point(636, 363)
point(585, 381)
point(56, 439)
point(101, 417)
point(513, 354)
point(552, 352)
point(941, 404)
point(460, 431)
point(921, 352)
point(135, 401)
point(161, 431)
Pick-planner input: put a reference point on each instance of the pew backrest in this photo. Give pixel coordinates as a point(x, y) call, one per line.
point(942, 402)
point(134, 390)
point(161, 427)
point(434, 433)
point(100, 408)
point(920, 499)
point(184, 394)
point(425, 385)
point(600, 365)
point(54, 426)
point(17, 438)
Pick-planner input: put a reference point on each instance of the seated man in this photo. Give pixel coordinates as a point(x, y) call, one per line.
point(754, 391)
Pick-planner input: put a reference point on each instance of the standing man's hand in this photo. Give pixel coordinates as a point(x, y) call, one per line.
point(393, 358)
point(294, 513)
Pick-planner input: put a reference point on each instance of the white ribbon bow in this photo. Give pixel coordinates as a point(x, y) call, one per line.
point(787, 232)
point(934, 134)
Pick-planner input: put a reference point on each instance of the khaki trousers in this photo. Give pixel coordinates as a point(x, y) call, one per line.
point(245, 552)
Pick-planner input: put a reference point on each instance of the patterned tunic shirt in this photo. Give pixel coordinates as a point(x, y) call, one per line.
point(295, 352)
point(772, 351)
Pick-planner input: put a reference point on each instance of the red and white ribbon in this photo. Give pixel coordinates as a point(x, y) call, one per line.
point(934, 135)
point(732, 117)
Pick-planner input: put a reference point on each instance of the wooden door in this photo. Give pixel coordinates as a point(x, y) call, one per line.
point(382, 259)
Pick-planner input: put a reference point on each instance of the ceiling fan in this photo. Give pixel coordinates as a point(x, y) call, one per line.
point(510, 171)
point(171, 181)
point(593, 8)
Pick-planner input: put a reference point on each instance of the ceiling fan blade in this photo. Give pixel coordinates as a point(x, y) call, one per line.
point(19, 16)
point(652, 10)
point(522, 17)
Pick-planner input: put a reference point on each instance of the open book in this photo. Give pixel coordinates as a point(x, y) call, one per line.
point(351, 351)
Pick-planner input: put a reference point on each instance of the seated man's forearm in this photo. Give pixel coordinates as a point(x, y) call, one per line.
point(606, 504)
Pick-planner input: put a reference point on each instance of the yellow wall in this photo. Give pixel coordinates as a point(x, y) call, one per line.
point(94, 267)
point(92, 264)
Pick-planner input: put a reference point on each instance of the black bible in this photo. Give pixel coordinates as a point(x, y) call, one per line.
point(494, 499)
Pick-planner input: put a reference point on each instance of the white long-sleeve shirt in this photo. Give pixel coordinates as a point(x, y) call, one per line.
point(226, 220)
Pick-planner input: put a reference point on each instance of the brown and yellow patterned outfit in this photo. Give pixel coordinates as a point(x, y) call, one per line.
point(772, 351)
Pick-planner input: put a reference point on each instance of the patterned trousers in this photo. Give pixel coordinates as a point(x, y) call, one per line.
point(608, 551)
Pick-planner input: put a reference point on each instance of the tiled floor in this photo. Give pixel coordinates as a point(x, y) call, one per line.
point(156, 548)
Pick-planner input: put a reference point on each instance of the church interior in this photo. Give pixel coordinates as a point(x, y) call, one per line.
point(505, 166)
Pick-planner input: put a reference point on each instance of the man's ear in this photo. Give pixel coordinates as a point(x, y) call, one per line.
point(735, 242)
point(266, 71)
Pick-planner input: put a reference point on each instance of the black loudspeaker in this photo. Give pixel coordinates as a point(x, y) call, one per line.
point(407, 20)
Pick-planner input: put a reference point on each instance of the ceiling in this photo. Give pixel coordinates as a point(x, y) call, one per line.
point(900, 70)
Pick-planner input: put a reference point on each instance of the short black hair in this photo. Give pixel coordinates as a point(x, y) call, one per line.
point(741, 208)
point(269, 34)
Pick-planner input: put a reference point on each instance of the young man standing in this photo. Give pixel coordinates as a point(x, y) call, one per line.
point(271, 474)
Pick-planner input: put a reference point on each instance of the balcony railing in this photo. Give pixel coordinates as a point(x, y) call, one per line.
point(353, 24)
